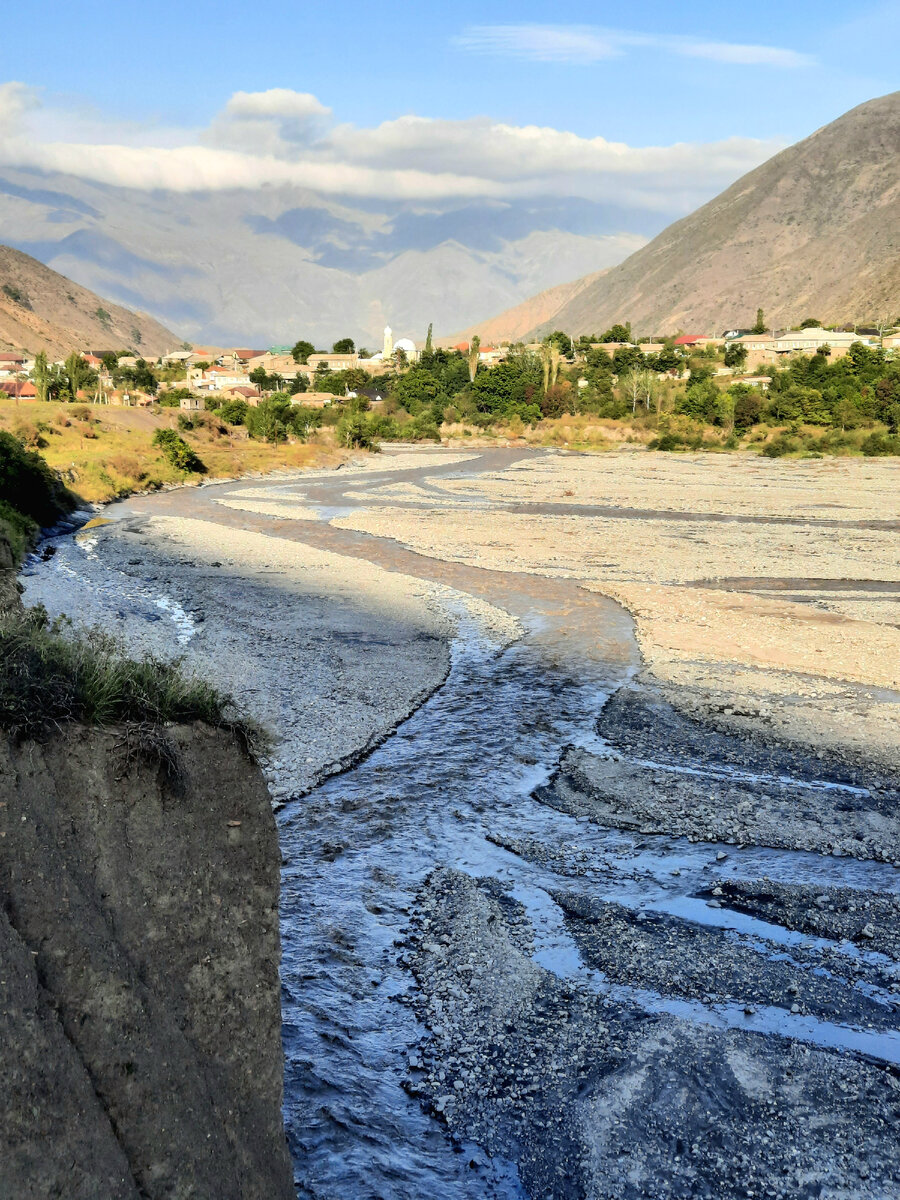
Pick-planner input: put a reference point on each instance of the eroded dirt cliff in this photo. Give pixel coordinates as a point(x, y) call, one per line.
point(139, 950)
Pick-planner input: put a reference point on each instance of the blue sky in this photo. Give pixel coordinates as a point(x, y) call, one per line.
point(176, 63)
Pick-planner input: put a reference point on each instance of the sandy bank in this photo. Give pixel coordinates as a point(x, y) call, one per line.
point(750, 580)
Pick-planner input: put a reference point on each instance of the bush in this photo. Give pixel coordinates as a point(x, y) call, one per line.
point(677, 441)
point(48, 679)
point(177, 451)
point(28, 486)
point(878, 445)
point(780, 446)
point(19, 530)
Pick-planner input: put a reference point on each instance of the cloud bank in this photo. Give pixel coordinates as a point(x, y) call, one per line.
point(285, 138)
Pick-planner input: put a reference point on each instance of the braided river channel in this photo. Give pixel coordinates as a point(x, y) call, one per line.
point(493, 984)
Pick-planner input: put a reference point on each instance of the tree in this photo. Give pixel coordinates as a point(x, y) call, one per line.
point(429, 348)
point(342, 346)
point(748, 406)
point(401, 359)
point(474, 351)
point(259, 378)
point(735, 355)
point(760, 326)
point(638, 385)
point(301, 352)
point(807, 323)
point(550, 356)
point(41, 376)
point(77, 371)
point(617, 333)
point(562, 340)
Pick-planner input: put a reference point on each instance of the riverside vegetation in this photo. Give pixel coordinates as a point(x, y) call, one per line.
point(575, 394)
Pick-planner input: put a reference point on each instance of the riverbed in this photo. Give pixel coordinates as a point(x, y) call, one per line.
point(545, 933)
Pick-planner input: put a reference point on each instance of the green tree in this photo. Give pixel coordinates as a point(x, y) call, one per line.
point(474, 351)
point(343, 346)
point(808, 323)
point(301, 352)
point(78, 373)
point(562, 340)
point(735, 355)
point(760, 326)
point(617, 333)
point(259, 378)
point(429, 348)
point(41, 376)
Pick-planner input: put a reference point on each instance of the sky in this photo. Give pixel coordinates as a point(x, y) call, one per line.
point(655, 106)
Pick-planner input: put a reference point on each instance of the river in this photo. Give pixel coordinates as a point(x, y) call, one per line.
point(468, 786)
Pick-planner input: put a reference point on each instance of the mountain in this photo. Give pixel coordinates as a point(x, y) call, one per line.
point(815, 231)
point(257, 266)
point(517, 324)
point(42, 310)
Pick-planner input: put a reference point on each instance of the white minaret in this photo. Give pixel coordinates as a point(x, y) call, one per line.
point(388, 351)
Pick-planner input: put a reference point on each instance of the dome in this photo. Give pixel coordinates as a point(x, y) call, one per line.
point(406, 344)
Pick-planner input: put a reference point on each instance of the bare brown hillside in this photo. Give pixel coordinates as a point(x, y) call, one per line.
point(514, 324)
point(42, 310)
point(815, 231)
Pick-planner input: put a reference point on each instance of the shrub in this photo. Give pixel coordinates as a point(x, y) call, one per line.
point(29, 486)
point(780, 446)
point(177, 451)
point(19, 530)
point(878, 445)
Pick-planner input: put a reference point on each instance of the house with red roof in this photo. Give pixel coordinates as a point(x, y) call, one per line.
point(18, 389)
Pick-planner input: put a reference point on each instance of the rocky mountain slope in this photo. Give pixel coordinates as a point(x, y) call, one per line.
point(815, 231)
point(42, 310)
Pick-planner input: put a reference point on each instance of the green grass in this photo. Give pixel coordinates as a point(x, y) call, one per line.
point(48, 680)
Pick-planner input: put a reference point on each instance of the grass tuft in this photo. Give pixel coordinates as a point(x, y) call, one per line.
point(48, 680)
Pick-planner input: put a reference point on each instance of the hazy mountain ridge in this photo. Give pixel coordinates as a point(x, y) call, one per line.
point(266, 265)
point(43, 310)
point(813, 231)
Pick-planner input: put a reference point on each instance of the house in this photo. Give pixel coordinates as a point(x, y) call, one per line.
point(689, 341)
point(93, 361)
point(278, 364)
point(251, 395)
point(179, 358)
point(190, 404)
point(216, 379)
point(18, 389)
point(313, 399)
point(332, 362)
point(11, 364)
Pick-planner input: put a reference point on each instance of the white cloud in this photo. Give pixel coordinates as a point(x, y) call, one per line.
point(590, 43)
point(274, 122)
point(284, 138)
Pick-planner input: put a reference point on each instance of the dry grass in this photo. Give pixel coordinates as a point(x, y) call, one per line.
point(104, 452)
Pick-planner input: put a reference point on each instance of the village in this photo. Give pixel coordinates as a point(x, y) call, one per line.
point(316, 379)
